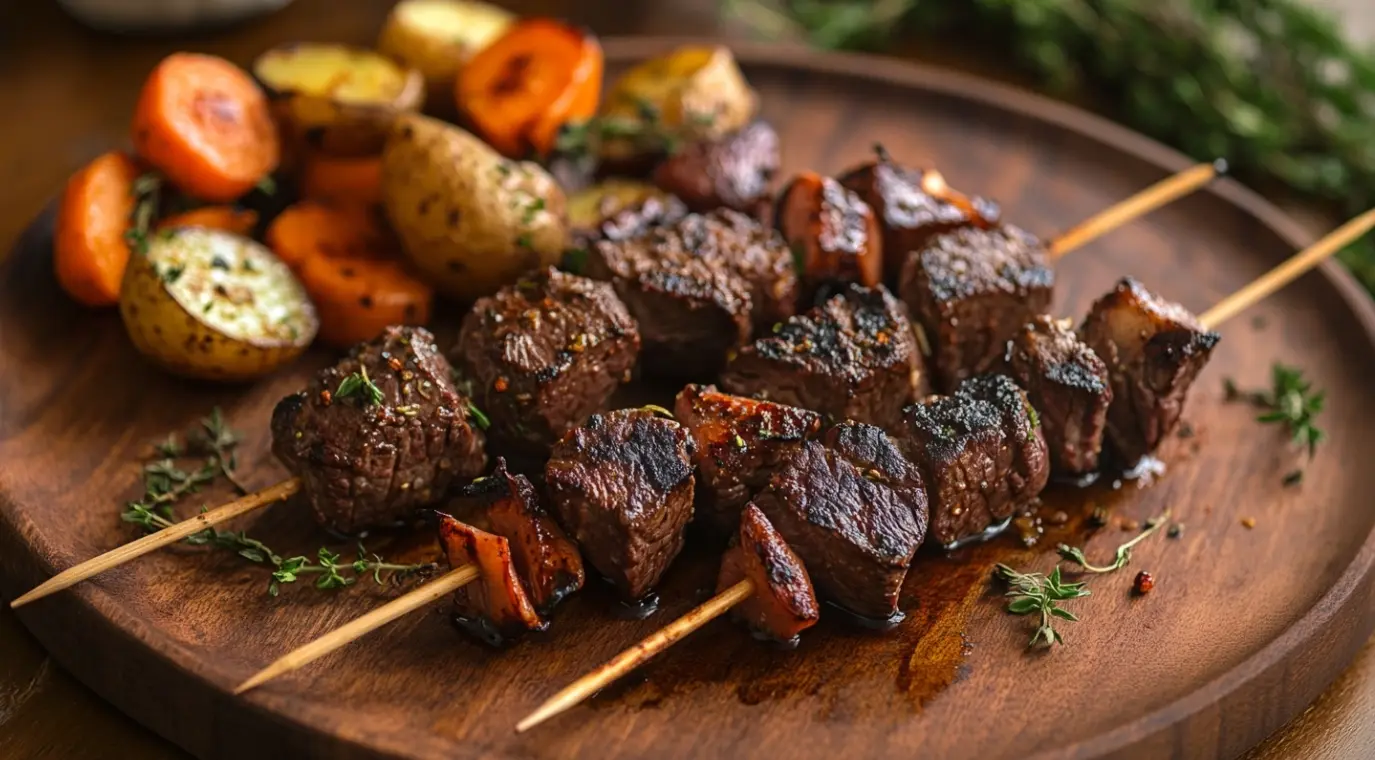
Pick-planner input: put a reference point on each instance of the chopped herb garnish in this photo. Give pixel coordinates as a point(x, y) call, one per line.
point(146, 189)
point(479, 418)
point(359, 384)
point(525, 241)
point(659, 410)
point(574, 260)
point(1124, 552)
point(267, 185)
point(171, 274)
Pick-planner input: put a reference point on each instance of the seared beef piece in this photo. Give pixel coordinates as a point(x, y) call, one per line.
point(548, 562)
point(622, 485)
point(1153, 349)
point(364, 463)
point(854, 509)
point(854, 357)
point(782, 604)
point(981, 454)
point(1068, 386)
point(912, 206)
point(832, 233)
point(732, 172)
point(740, 442)
point(494, 607)
point(543, 354)
point(619, 216)
point(691, 316)
point(971, 290)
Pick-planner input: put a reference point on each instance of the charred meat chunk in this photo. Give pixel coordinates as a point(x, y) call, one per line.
point(691, 316)
point(912, 206)
point(494, 607)
point(544, 354)
point(740, 442)
point(380, 434)
point(782, 604)
point(1022, 433)
point(832, 233)
point(853, 357)
point(1068, 386)
point(622, 485)
point(548, 562)
point(617, 210)
point(733, 171)
point(1154, 349)
point(854, 509)
point(971, 290)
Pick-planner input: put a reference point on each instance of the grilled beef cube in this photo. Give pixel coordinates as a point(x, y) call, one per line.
point(617, 210)
point(853, 357)
point(783, 604)
point(1154, 349)
point(832, 233)
point(854, 509)
point(1068, 386)
point(366, 461)
point(548, 562)
point(544, 354)
point(740, 442)
point(971, 290)
point(912, 206)
point(1022, 433)
point(494, 607)
point(731, 172)
point(692, 315)
point(622, 485)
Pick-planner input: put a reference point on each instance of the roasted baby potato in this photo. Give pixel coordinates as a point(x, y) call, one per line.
point(436, 37)
point(469, 220)
point(210, 304)
point(732, 171)
point(335, 98)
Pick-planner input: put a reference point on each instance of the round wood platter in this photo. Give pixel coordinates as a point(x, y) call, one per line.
point(1244, 628)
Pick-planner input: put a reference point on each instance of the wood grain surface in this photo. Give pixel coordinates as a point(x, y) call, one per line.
point(1245, 628)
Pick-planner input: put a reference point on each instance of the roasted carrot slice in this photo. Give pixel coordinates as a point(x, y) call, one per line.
point(358, 298)
point(204, 123)
point(520, 90)
point(89, 249)
point(309, 229)
point(342, 181)
point(227, 218)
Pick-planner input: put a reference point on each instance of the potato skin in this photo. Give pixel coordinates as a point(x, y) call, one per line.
point(412, 37)
point(469, 219)
point(168, 332)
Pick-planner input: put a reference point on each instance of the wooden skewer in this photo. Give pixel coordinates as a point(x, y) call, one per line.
point(638, 655)
point(1285, 273)
point(152, 541)
point(1157, 195)
point(361, 626)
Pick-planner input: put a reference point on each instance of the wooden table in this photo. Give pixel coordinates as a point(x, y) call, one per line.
point(67, 96)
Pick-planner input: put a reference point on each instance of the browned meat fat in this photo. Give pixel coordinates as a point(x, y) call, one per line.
point(622, 485)
point(543, 354)
point(1154, 349)
point(548, 562)
point(1068, 387)
point(854, 509)
point(854, 357)
point(365, 462)
point(833, 235)
point(971, 290)
point(783, 604)
point(494, 607)
point(912, 206)
point(740, 442)
point(732, 172)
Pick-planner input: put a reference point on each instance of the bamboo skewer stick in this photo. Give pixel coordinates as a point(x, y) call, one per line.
point(1287, 272)
point(1169, 189)
point(361, 626)
point(134, 549)
point(639, 654)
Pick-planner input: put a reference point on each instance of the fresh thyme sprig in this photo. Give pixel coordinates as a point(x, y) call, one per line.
point(147, 189)
point(359, 384)
point(1291, 401)
point(1124, 552)
point(647, 133)
point(1041, 594)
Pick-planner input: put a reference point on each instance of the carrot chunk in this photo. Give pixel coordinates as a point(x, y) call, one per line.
point(309, 229)
point(89, 249)
point(227, 218)
point(342, 181)
point(358, 298)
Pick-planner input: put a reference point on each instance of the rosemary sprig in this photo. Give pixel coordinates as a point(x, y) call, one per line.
point(1291, 402)
point(1124, 552)
point(359, 384)
point(147, 189)
point(1041, 594)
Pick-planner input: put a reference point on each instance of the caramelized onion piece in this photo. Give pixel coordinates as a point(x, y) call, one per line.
point(783, 604)
point(494, 607)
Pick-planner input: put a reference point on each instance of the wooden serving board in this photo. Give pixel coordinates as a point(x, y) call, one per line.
point(1245, 627)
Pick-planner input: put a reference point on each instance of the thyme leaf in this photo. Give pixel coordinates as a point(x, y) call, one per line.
point(1121, 557)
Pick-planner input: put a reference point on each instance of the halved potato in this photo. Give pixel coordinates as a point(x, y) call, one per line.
point(436, 37)
point(211, 304)
point(591, 206)
point(336, 98)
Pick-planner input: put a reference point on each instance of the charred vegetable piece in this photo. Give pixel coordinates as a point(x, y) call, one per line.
point(1154, 349)
point(548, 562)
point(622, 485)
point(494, 607)
point(733, 171)
point(619, 209)
point(832, 233)
point(783, 604)
point(740, 443)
